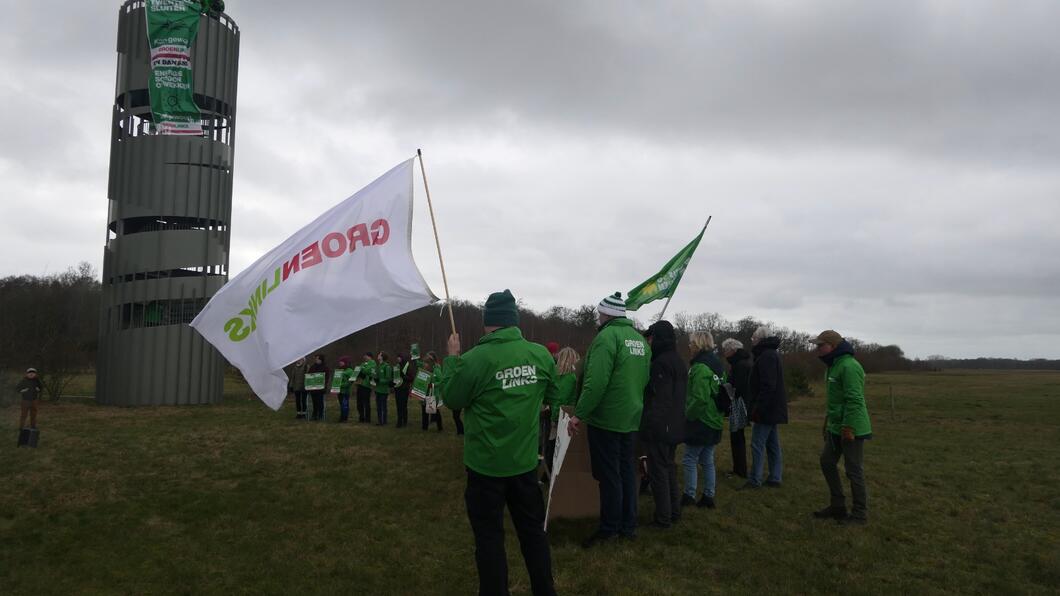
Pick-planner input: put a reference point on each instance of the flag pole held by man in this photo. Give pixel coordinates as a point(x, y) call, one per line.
point(501, 384)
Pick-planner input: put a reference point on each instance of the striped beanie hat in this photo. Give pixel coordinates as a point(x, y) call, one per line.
point(612, 306)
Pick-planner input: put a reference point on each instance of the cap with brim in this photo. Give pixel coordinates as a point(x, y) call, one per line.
point(829, 337)
point(29, 370)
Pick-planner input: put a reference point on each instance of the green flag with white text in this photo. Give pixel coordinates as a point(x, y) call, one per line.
point(171, 29)
point(664, 283)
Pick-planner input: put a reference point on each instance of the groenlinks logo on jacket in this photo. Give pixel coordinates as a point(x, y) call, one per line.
point(332, 246)
point(636, 347)
point(517, 376)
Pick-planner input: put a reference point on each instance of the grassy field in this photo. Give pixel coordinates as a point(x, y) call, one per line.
point(964, 498)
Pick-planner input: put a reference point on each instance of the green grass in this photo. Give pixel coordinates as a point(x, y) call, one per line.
point(964, 498)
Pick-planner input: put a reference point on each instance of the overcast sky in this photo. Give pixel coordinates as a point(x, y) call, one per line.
point(887, 169)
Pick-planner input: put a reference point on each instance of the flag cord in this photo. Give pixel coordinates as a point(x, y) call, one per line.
point(437, 243)
point(671, 296)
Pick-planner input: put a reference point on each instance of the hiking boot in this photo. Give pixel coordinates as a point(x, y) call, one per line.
point(831, 512)
point(598, 538)
point(749, 486)
point(687, 500)
point(852, 520)
point(772, 484)
point(706, 501)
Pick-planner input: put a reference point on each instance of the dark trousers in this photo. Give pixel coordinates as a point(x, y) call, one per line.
point(458, 422)
point(364, 404)
point(662, 470)
point(739, 453)
point(401, 398)
point(426, 419)
point(613, 467)
point(486, 497)
point(318, 404)
point(853, 454)
point(301, 405)
point(380, 406)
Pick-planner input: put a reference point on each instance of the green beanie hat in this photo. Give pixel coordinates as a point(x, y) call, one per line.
point(500, 310)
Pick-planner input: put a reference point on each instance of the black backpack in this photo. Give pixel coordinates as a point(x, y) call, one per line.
point(724, 398)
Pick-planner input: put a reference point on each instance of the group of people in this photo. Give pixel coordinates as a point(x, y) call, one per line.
point(635, 394)
point(375, 378)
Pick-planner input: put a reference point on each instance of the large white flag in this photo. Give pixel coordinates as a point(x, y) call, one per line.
point(350, 268)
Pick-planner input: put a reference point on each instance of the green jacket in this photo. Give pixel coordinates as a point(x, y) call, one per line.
point(364, 378)
point(845, 405)
point(703, 385)
point(566, 393)
point(617, 368)
point(341, 380)
point(500, 384)
point(383, 377)
point(436, 381)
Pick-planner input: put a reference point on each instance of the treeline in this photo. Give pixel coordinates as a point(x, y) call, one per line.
point(943, 363)
point(51, 322)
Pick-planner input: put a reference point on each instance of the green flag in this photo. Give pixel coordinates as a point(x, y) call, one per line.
point(664, 283)
point(171, 29)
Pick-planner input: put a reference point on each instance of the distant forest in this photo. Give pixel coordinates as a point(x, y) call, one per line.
point(52, 321)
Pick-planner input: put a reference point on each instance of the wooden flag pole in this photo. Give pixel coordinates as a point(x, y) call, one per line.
point(671, 296)
point(437, 244)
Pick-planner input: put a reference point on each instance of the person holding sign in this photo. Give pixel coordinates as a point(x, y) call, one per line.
point(340, 386)
point(423, 390)
point(315, 382)
point(364, 388)
point(611, 403)
point(382, 379)
point(501, 384)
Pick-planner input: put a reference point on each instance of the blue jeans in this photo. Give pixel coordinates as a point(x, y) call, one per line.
point(699, 455)
point(344, 407)
point(765, 438)
point(611, 455)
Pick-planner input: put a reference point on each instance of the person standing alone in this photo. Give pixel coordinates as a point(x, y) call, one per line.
point(846, 428)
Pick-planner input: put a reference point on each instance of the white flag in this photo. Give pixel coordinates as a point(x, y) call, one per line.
point(350, 268)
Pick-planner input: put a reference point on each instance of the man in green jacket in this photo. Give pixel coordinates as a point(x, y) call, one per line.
point(501, 384)
point(846, 428)
point(616, 371)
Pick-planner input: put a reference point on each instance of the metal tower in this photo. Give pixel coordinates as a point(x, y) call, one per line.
point(170, 204)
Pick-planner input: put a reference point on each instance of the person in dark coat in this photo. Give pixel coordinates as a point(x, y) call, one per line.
point(662, 421)
point(769, 408)
point(740, 376)
point(296, 385)
point(319, 366)
point(29, 389)
point(406, 371)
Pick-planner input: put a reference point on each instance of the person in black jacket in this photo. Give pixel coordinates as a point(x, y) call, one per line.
point(662, 421)
point(740, 376)
point(769, 408)
point(319, 366)
point(407, 370)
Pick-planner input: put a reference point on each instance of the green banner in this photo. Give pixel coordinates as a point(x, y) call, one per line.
point(664, 283)
point(171, 29)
